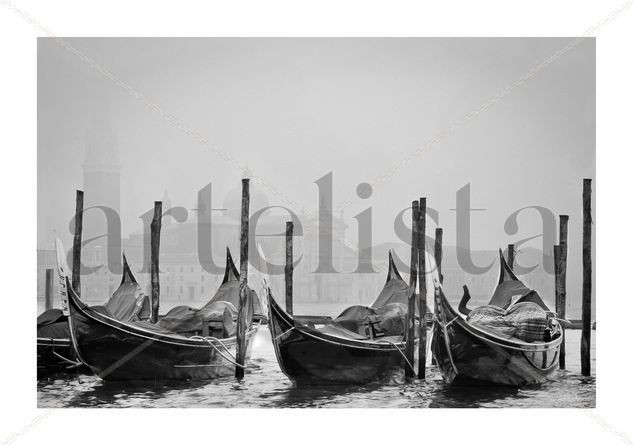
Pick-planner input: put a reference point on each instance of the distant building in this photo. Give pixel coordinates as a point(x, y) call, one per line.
point(183, 278)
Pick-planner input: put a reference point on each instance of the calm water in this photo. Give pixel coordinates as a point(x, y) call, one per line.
point(265, 386)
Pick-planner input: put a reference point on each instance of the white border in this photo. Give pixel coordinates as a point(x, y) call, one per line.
point(322, 18)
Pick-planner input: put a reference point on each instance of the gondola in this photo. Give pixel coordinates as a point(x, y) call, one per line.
point(473, 353)
point(190, 321)
point(322, 350)
point(54, 349)
point(116, 350)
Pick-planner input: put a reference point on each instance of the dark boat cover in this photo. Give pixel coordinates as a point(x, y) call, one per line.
point(54, 324)
point(386, 320)
point(187, 319)
point(386, 315)
point(222, 307)
point(128, 302)
point(395, 289)
point(229, 290)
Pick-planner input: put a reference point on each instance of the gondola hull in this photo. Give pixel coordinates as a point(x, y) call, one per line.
point(309, 357)
point(54, 348)
point(468, 354)
point(126, 351)
point(56, 355)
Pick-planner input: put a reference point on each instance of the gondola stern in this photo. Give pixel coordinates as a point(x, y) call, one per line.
point(128, 276)
point(276, 313)
point(230, 271)
point(393, 273)
point(75, 307)
point(505, 272)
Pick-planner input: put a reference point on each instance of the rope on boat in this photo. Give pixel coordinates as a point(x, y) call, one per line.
point(283, 333)
point(450, 322)
point(229, 359)
point(400, 351)
point(72, 363)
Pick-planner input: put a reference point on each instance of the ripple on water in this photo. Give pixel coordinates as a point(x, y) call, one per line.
point(265, 386)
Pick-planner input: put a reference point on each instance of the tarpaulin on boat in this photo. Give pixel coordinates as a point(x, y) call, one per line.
point(526, 321)
point(54, 324)
point(222, 307)
point(230, 291)
point(186, 319)
point(128, 302)
point(395, 289)
point(386, 320)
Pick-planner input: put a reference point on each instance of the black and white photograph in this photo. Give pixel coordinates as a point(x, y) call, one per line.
point(292, 219)
point(323, 257)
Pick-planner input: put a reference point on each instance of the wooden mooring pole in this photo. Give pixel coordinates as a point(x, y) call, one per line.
point(422, 295)
point(561, 283)
point(585, 342)
point(438, 252)
point(154, 270)
point(79, 215)
point(511, 256)
point(409, 349)
point(289, 267)
point(242, 310)
point(48, 301)
point(558, 300)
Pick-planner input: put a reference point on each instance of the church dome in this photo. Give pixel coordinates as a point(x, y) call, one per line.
point(233, 201)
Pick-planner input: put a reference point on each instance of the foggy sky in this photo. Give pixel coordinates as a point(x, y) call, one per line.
point(293, 110)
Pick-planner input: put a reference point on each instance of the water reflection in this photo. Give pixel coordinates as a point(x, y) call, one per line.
point(265, 386)
point(104, 393)
point(449, 396)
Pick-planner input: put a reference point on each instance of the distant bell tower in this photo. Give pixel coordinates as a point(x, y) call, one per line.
point(102, 175)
